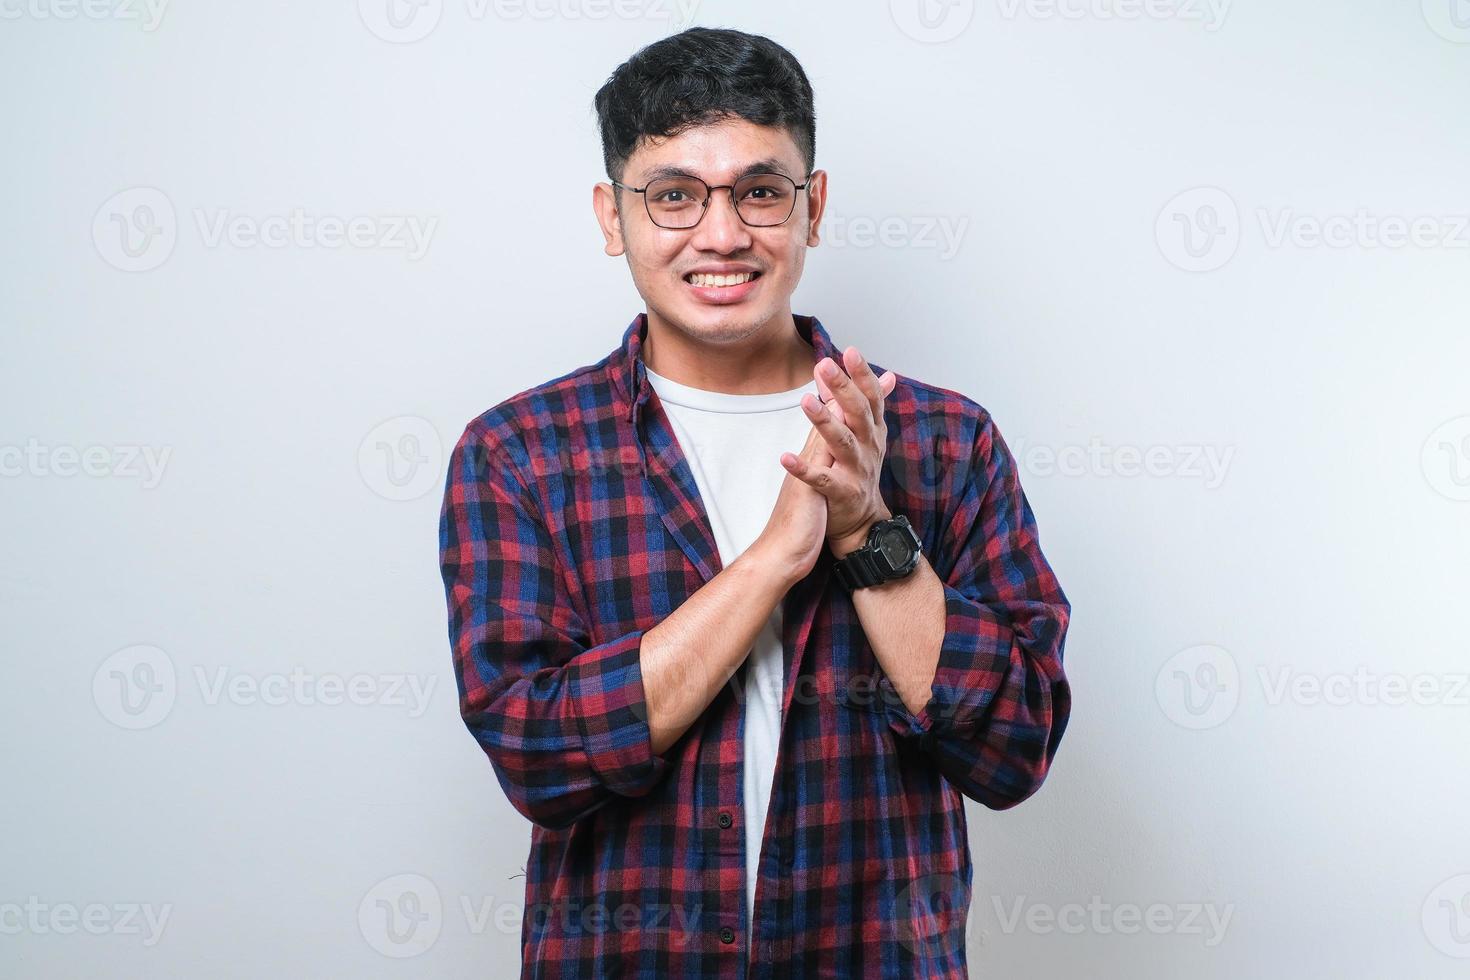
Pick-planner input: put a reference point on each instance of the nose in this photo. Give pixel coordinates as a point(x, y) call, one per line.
point(721, 230)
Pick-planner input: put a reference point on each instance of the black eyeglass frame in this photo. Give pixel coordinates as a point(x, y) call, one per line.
point(709, 196)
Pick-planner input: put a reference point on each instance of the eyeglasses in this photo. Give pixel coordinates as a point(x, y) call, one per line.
point(762, 200)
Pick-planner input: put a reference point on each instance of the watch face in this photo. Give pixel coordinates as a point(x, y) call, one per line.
point(896, 546)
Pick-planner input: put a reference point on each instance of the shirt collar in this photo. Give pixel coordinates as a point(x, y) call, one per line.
point(630, 381)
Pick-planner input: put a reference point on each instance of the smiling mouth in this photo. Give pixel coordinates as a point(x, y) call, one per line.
point(732, 279)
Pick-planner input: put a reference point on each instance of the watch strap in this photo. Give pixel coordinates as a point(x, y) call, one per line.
point(858, 569)
point(861, 567)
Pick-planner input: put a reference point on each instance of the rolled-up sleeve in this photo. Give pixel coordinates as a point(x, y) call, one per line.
point(564, 723)
point(1000, 701)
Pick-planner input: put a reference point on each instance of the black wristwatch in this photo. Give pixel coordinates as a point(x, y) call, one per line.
point(892, 551)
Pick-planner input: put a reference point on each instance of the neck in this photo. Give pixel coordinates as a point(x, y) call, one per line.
point(759, 360)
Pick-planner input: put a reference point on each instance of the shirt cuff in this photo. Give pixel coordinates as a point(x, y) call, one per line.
point(966, 678)
point(607, 698)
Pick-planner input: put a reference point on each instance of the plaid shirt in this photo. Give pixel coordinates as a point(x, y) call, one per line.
point(571, 524)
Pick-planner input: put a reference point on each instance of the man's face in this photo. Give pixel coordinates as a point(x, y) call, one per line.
point(664, 260)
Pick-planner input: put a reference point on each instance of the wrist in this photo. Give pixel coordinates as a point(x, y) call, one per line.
point(770, 567)
point(846, 544)
point(842, 547)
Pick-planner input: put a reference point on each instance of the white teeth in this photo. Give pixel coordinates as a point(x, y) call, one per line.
point(701, 279)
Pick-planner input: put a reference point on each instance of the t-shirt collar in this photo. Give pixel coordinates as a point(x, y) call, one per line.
point(630, 382)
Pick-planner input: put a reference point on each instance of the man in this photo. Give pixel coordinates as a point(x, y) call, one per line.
point(739, 683)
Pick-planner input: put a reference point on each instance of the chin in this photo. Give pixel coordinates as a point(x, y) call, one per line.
point(725, 324)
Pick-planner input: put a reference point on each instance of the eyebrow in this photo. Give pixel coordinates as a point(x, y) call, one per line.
point(767, 166)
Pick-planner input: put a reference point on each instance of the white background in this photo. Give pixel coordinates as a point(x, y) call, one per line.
point(1131, 193)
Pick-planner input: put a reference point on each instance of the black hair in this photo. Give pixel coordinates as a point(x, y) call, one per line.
point(701, 76)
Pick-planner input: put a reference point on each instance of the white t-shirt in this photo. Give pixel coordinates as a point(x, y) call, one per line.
point(734, 444)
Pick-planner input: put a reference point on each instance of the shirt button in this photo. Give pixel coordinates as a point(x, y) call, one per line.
point(727, 935)
point(725, 819)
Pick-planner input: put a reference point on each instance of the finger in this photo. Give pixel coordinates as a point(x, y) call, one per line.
point(813, 438)
point(822, 388)
point(825, 457)
point(862, 375)
point(822, 455)
point(886, 383)
point(814, 450)
point(840, 440)
point(819, 478)
point(869, 383)
point(855, 404)
point(889, 380)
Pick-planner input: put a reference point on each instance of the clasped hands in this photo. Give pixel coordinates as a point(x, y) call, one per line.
point(845, 468)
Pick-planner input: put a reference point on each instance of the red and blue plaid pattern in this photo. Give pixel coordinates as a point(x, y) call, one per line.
point(572, 524)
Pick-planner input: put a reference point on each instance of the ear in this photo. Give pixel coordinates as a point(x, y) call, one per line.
point(816, 192)
point(605, 207)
